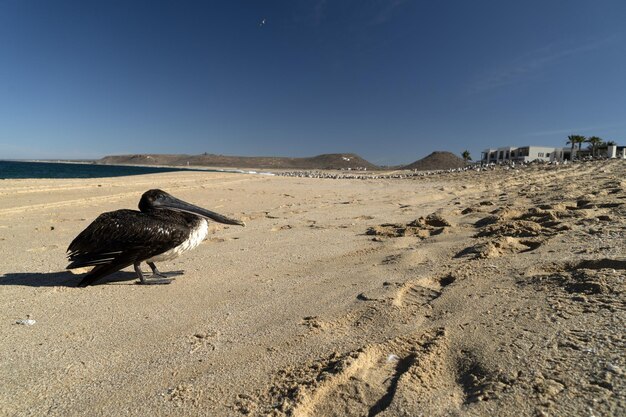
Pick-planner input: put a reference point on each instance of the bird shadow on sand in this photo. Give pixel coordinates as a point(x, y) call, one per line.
point(67, 279)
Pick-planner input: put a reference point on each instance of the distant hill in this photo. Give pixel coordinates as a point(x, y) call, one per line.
point(326, 161)
point(437, 161)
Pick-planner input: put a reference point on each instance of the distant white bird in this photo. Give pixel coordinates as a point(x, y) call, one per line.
point(262, 23)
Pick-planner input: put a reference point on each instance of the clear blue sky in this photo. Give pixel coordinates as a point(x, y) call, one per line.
point(390, 80)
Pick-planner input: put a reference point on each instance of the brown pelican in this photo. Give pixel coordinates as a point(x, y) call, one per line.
point(162, 229)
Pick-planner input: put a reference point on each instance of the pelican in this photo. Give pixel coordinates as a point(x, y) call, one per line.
point(162, 229)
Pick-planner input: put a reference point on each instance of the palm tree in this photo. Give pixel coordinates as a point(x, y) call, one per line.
point(466, 156)
point(575, 139)
point(594, 141)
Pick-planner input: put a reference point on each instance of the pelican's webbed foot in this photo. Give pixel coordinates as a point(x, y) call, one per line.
point(151, 281)
point(155, 270)
point(157, 273)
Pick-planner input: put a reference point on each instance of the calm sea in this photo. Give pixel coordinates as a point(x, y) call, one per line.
point(18, 169)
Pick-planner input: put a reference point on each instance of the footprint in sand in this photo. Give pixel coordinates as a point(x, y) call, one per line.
point(499, 247)
point(363, 382)
point(415, 293)
point(424, 227)
point(595, 277)
point(415, 372)
point(283, 227)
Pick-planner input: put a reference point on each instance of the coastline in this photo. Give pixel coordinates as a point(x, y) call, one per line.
point(142, 166)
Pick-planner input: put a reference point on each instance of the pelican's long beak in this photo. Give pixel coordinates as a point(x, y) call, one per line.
point(173, 203)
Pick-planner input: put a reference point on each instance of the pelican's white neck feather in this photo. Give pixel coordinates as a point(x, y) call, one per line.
point(197, 235)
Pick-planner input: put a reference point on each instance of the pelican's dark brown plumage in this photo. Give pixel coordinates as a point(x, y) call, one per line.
point(162, 229)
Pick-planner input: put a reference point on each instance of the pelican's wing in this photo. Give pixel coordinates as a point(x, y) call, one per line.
point(120, 238)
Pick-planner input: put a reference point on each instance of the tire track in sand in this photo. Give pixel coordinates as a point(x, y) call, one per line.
point(107, 198)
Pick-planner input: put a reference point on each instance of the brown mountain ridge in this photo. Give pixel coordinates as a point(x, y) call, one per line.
point(439, 160)
point(435, 161)
point(325, 161)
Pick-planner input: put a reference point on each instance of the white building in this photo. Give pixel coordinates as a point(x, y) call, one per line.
point(615, 151)
point(525, 154)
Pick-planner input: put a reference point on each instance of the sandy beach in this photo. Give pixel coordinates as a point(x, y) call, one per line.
point(463, 294)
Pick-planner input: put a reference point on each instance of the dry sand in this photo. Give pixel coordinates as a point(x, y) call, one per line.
point(482, 294)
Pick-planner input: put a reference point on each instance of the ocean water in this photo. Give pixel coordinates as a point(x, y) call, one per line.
point(19, 169)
